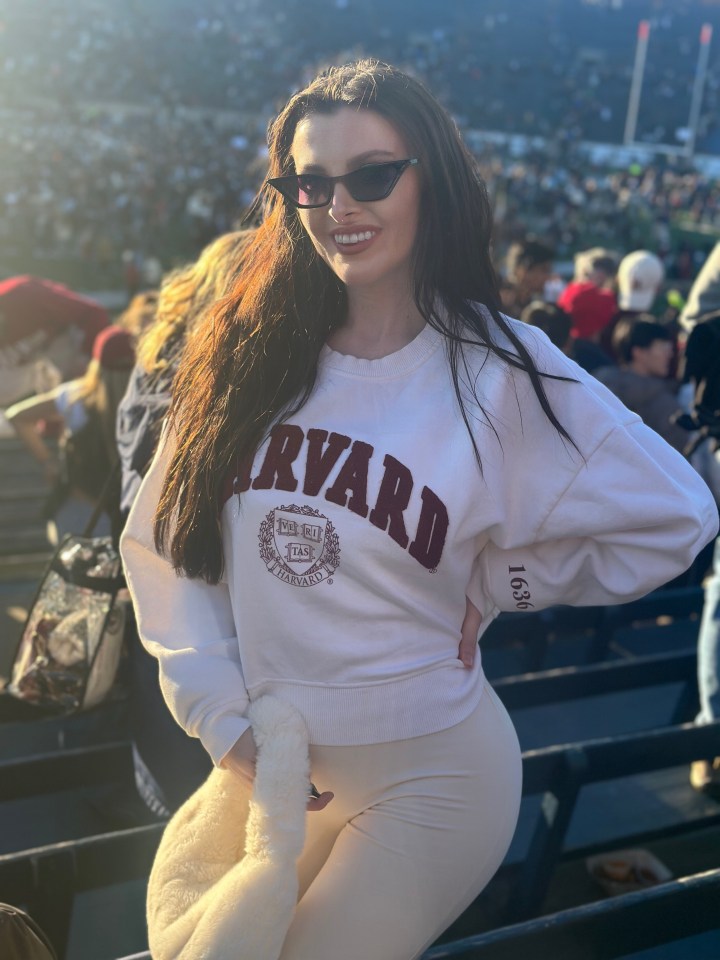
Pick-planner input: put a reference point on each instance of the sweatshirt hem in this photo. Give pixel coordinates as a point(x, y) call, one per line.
point(359, 715)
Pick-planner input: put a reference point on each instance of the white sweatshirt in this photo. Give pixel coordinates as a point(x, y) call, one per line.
point(365, 521)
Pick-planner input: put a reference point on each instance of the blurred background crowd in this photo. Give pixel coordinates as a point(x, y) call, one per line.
point(132, 133)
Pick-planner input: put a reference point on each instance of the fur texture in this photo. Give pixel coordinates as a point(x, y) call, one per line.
point(224, 885)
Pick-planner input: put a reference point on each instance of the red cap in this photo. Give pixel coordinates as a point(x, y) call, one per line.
point(113, 348)
point(28, 304)
point(591, 308)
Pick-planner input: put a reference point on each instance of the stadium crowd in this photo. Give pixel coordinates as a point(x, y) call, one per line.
point(164, 186)
point(124, 142)
point(523, 67)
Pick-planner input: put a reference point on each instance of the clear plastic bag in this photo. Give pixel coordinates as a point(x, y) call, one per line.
point(70, 647)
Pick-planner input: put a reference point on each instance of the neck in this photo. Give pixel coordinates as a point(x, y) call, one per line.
point(377, 324)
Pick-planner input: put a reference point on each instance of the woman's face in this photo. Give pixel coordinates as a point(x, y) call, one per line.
point(366, 244)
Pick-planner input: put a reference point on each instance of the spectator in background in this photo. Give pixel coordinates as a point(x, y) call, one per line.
point(139, 313)
point(185, 295)
point(85, 409)
point(701, 317)
point(639, 278)
point(528, 269)
point(46, 335)
point(553, 321)
point(591, 309)
point(645, 350)
point(705, 774)
point(169, 765)
point(704, 296)
point(597, 266)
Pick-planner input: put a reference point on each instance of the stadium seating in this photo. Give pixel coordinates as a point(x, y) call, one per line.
point(606, 930)
point(48, 878)
point(22, 494)
point(526, 642)
point(58, 863)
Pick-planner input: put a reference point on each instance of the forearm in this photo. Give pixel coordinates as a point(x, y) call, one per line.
point(240, 759)
point(188, 625)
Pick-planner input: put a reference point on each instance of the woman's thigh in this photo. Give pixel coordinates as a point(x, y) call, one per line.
point(419, 829)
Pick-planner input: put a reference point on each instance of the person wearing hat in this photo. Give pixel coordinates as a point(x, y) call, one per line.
point(46, 335)
point(591, 309)
point(591, 305)
point(85, 410)
point(639, 278)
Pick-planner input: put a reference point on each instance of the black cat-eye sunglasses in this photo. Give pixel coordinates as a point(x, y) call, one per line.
point(374, 181)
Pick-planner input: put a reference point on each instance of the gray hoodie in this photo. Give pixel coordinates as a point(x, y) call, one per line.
point(652, 398)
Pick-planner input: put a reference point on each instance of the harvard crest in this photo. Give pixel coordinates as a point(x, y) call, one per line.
point(299, 545)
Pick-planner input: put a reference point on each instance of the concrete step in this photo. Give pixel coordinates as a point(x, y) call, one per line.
point(24, 566)
point(23, 540)
point(23, 512)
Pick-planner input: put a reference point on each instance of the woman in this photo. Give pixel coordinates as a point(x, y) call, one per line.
point(364, 460)
point(85, 411)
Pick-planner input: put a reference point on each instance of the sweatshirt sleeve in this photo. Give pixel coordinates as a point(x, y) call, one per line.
point(634, 515)
point(631, 514)
point(188, 625)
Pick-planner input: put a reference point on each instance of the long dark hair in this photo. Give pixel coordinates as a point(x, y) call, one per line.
point(254, 360)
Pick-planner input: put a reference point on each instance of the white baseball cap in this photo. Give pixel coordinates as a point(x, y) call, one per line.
point(639, 277)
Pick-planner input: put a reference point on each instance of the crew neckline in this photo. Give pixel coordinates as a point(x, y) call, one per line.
point(399, 362)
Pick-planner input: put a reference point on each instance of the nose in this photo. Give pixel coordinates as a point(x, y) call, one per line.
point(341, 203)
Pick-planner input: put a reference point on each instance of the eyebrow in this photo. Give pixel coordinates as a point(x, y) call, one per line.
point(353, 162)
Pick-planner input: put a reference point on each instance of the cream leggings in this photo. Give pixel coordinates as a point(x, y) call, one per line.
point(416, 829)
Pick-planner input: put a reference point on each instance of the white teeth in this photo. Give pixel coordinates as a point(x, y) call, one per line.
point(349, 238)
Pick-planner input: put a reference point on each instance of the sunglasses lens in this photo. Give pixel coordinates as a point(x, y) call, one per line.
point(373, 182)
point(311, 190)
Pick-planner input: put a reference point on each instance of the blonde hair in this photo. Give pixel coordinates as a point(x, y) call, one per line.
point(188, 292)
point(139, 313)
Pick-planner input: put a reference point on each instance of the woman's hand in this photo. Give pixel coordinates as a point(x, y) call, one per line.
point(469, 634)
point(240, 759)
point(319, 803)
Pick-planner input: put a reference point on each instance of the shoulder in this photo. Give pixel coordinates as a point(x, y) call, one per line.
point(586, 408)
point(544, 355)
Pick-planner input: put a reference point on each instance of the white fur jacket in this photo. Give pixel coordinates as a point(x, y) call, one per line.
point(224, 883)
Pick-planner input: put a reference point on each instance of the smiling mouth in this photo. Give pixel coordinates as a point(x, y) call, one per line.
point(349, 239)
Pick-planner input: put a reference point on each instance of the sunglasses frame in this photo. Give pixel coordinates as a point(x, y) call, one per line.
point(279, 183)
